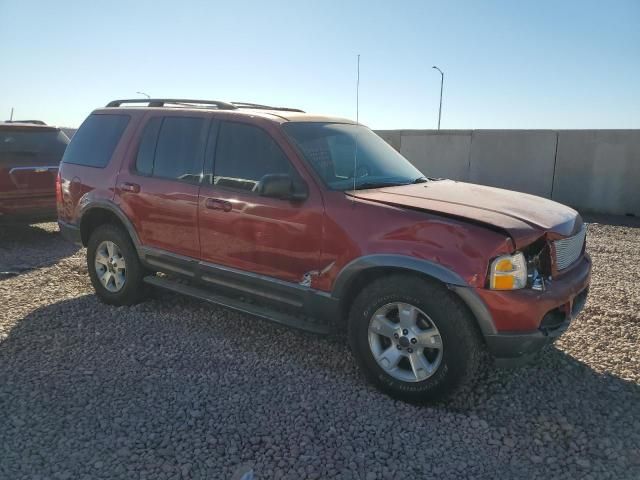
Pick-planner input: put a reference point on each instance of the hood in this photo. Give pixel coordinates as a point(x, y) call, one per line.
point(525, 218)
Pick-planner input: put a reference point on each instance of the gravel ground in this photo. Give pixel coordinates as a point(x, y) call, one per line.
point(176, 388)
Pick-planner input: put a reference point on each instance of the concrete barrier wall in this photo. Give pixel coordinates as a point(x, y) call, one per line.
point(592, 170)
point(519, 160)
point(599, 170)
point(444, 155)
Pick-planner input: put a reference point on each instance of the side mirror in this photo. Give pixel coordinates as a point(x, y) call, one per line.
point(283, 186)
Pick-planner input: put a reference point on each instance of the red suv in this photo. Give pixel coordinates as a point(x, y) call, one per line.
point(30, 152)
point(317, 223)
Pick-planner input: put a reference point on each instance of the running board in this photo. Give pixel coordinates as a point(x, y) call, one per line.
point(262, 311)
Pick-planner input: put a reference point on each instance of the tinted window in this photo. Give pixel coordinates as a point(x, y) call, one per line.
point(96, 139)
point(244, 155)
point(33, 140)
point(179, 149)
point(147, 149)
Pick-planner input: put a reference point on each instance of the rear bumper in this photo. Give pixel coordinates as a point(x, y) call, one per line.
point(28, 209)
point(70, 232)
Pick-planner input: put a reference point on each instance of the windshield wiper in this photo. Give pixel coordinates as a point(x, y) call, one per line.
point(421, 180)
point(365, 185)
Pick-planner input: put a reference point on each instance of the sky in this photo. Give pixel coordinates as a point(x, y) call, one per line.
point(507, 64)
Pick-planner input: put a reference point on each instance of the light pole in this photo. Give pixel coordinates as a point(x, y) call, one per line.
point(441, 85)
point(142, 93)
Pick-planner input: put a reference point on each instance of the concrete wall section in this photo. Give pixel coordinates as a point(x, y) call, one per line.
point(599, 170)
point(392, 137)
point(592, 170)
point(442, 154)
point(518, 160)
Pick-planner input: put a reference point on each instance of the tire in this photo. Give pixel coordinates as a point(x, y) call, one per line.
point(452, 361)
point(127, 268)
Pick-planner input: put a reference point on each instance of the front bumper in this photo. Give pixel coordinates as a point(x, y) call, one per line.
point(527, 320)
point(515, 348)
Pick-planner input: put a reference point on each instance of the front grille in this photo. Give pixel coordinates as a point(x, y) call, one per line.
point(568, 250)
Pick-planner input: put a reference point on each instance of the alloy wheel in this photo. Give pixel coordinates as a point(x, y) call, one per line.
point(405, 342)
point(110, 266)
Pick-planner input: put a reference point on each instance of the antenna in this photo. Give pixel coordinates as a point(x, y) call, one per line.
point(11, 118)
point(355, 156)
point(358, 92)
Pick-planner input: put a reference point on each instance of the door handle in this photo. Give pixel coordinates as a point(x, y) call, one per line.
point(217, 204)
point(130, 187)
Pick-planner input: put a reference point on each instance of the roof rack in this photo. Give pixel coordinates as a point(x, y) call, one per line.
point(257, 106)
point(161, 102)
point(34, 122)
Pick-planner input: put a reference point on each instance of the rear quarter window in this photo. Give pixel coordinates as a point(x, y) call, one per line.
point(96, 139)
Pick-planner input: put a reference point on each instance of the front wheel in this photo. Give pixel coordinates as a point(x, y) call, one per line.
point(413, 339)
point(114, 266)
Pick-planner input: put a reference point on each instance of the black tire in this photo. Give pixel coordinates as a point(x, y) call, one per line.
point(133, 289)
point(462, 348)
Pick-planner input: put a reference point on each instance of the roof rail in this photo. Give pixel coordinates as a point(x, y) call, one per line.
point(34, 122)
point(161, 102)
point(257, 106)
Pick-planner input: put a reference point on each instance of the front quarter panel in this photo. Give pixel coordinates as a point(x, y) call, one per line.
point(358, 228)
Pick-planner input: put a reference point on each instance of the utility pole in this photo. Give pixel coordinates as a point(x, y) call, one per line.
point(441, 86)
point(142, 93)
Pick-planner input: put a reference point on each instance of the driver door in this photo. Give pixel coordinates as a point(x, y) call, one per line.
point(276, 238)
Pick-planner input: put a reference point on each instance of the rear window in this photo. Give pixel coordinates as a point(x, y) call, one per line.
point(96, 139)
point(30, 140)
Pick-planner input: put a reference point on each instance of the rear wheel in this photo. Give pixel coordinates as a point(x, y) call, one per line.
point(114, 266)
point(413, 339)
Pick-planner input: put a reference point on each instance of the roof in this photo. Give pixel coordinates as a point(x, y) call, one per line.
point(27, 125)
point(277, 114)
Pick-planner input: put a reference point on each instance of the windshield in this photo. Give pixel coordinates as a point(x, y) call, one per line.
point(331, 149)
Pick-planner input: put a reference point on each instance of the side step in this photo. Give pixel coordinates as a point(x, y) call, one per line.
point(258, 310)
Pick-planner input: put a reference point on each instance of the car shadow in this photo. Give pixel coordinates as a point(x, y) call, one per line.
point(27, 247)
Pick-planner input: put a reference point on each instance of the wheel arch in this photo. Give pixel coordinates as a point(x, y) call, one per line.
point(100, 213)
point(364, 270)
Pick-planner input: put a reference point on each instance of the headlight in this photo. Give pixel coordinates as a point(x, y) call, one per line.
point(508, 272)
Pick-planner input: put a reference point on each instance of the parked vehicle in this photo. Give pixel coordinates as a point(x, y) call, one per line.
point(315, 222)
point(30, 152)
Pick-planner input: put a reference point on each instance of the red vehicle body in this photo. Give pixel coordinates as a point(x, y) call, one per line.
point(29, 158)
point(308, 257)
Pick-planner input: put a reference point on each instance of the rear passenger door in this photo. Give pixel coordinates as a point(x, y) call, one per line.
point(159, 189)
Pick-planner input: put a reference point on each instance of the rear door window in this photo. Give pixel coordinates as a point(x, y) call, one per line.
point(147, 148)
point(95, 141)
point(173, 148)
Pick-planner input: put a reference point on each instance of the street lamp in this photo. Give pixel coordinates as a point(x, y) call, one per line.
point(142, 93)
point(441, 85)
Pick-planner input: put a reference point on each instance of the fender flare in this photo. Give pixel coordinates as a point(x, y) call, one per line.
point(451, 279)
point(113, 208)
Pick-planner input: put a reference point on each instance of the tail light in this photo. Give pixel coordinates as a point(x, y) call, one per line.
point(58, 191)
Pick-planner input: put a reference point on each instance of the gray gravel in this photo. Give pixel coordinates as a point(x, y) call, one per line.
point(175, 388)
